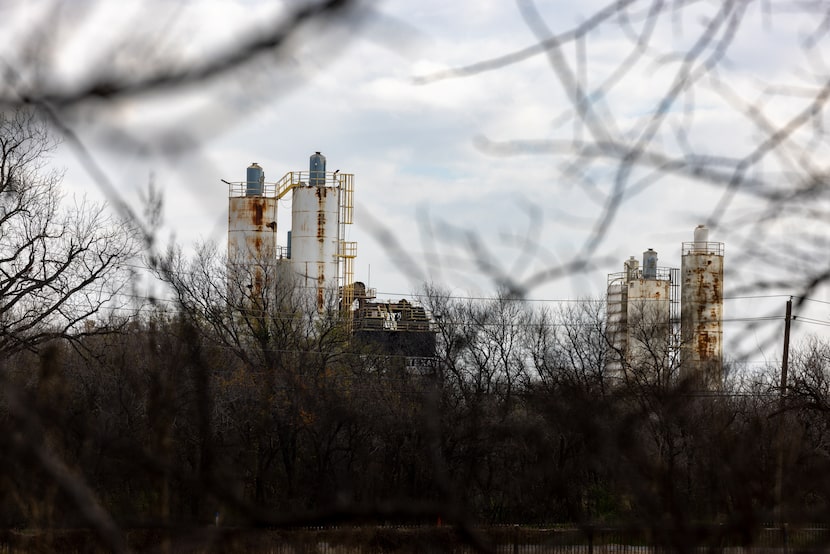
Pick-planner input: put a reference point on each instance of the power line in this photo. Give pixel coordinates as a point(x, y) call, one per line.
point(506, 298)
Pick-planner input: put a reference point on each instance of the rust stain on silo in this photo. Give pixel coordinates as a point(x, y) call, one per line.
point(321, 214)
point(321, 225)
point(321, 283)
point(704, 346)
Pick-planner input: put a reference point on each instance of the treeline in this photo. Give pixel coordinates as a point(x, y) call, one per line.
point(266, 415)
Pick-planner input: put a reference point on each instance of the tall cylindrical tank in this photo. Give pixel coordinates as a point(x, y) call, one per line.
point(649, 264)
point(314, 241)
point(639, 321)
point(632, 269)
point(317, 170)
point(252, 235)
point(255, 180)
point(648, 324)
point(701, 311)
point(616, 313)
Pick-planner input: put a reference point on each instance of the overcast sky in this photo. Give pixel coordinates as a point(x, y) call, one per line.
point(437, 164)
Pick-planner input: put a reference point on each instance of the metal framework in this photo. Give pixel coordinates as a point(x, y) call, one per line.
point(674, 313)
point(346, 250)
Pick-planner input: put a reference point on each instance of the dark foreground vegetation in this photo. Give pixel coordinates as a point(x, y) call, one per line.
point(404, 540)
point(174, 420)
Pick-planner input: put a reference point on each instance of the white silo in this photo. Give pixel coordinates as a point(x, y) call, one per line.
point(252, 229)
point(617, 315)
point(701, 315)
point(639, 320)
point(315, 233)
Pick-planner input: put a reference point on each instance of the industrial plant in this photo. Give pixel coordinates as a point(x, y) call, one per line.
point(663, 322)
point(316, 259)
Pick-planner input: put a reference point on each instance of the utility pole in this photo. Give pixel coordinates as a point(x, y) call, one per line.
point(785, 358)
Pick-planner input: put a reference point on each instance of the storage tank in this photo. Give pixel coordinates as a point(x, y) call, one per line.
point(317, 170)
point(701, 234)
point(616, 321)
point(252, 230)
point(648, 322)
point(315, 237)
point(639, 321)
point(649, 264)
point(255, 180)
point(701, 311)
point(632, 268)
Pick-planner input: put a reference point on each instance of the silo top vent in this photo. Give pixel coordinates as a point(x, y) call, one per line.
point(701, 244)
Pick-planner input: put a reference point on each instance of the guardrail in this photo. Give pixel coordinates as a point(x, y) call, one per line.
point(714, 248)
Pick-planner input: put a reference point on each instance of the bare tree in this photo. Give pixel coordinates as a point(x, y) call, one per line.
point(59, 267)
point(569, 347)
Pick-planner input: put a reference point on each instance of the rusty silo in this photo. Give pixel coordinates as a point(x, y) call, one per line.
point(252, 228)
point(702, 311)
point(639, 310)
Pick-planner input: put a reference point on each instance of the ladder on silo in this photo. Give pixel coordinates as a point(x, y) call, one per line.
point(346, 250)
point(674, 315)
